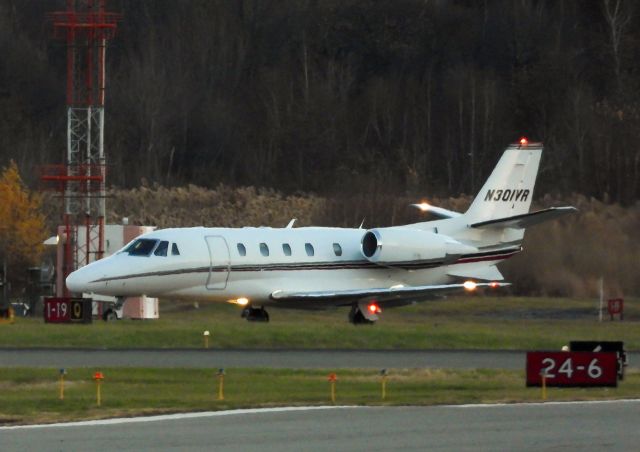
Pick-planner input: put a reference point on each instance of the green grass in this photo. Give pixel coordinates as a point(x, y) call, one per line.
point(473, 322)
point(31, 395)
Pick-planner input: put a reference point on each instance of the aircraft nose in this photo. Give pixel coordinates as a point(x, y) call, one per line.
point(78, 281)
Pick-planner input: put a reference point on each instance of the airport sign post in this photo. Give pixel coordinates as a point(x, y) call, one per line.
point(615, 306)
point(543, 376)
point(566, 369)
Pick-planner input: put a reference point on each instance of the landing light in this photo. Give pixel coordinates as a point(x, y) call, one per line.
point(423, 206)
point(469, 285)
point(374, 309)
point(242, 301)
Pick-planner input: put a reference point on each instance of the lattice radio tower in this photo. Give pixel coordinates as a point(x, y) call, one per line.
point(86, 27)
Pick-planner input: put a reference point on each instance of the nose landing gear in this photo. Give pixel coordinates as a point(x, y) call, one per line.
point(255, 314)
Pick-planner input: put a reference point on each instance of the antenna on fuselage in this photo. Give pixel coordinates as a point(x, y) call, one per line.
point(361, 224)
point(290, 225)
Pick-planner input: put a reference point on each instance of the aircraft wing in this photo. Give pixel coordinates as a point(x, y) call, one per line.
point(386, 296)
point(527, 219)
point(471, 271)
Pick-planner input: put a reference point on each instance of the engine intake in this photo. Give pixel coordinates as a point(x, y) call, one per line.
point(371, 242)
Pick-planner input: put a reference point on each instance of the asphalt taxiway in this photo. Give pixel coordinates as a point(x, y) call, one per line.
point(580, 426)
point(212, 358)
point(300, 359)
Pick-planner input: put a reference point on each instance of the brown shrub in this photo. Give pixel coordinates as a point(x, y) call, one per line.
point(197, 206)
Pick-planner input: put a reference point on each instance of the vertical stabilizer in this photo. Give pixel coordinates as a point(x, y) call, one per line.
point(509, 189)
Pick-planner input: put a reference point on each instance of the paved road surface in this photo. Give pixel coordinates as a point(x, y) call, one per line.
point(534, 427)
point(468, 359)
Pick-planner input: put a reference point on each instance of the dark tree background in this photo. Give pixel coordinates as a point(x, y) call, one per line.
point(341, 96)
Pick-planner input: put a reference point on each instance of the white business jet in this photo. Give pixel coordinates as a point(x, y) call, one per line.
point(322, 267)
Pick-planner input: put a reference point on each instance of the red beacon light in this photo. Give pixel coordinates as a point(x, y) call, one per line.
point(374, 308)
point(524, 141)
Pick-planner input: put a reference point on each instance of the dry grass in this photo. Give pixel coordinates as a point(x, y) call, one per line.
point(223, 206)
point(31, 395)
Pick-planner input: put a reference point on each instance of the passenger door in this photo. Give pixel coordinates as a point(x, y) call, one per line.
point(219, 266)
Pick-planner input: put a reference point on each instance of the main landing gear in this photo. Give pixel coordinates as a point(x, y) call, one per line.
point(255, 314)
point(360, 316)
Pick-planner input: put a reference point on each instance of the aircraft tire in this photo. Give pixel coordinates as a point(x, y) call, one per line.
point(357, 318)
point(109, 315)
point(255, 314)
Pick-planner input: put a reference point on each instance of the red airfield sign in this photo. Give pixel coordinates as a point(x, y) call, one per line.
point(572, 368)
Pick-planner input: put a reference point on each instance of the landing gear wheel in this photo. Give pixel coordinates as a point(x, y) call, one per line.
point(357, 318)
point(255, 314)
point(109, 315)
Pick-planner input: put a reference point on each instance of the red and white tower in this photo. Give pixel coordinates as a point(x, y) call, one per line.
point(86, 27)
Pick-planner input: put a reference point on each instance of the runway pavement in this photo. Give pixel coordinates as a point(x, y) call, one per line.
point(535, 427)
point(309, 359)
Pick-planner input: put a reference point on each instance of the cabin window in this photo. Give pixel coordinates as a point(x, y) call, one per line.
point(286, 249)
point(242, 251)
point(174, 249)
point(141, 247)
point(337, 249)
point(162, 249)
point(308, 247)
point(264, 249)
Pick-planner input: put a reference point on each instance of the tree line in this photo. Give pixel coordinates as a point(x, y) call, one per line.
point(341, 96)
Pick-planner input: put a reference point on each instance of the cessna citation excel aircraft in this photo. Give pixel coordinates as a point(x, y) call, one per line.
point(320, 267)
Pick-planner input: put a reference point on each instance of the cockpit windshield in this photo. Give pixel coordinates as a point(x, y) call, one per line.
point(141, 247)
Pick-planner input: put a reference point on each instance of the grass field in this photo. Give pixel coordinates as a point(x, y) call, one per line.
point(472, 322)
point(31, 395)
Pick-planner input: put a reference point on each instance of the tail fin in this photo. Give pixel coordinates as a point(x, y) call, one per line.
point(509, 190)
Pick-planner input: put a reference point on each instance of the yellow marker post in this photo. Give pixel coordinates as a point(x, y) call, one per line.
point(63, 372)
point(220, 375)
point(98, 377)
point(332, 382)
point(384, 375)
point(206, 339)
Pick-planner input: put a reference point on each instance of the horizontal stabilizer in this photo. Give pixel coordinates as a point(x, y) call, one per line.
point(490, 273)
point(527, 219)
point(437, 211)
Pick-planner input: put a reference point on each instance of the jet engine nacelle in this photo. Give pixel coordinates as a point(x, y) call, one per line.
point(397, 245)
